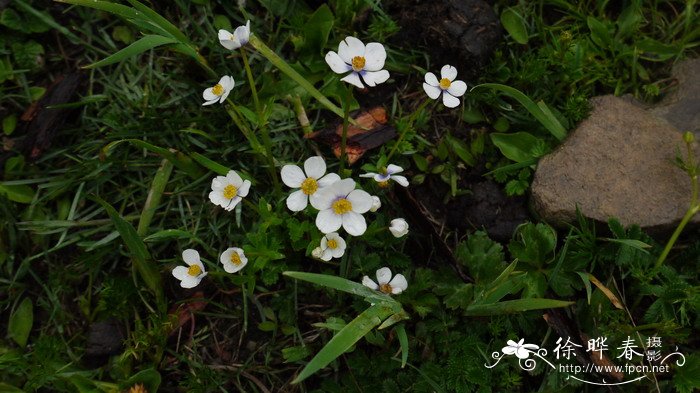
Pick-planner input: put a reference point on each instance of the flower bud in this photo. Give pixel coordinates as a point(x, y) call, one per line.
point(376, 204)
point(688, 137)
point(399, 227)
point(317, 253)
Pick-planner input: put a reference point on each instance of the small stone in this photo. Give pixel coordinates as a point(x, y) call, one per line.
point(682, 106)
point(617, 163)
point(105, 338)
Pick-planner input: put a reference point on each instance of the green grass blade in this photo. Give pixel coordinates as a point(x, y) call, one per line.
point(157, 19)
point(113, 8)
point(142, 45)
point(341, 284)
point(181, 161)
point(160, 180)
point(46, 18)
point(403, 341)
point(142, 260)
point(282, 65)
point(544, 117)
point(21, 321)
point(513, 306)
point(210, 164)
point(346, 337)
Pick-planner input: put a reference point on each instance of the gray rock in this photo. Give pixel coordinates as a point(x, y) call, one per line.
point(617, 163)
point(682, 106)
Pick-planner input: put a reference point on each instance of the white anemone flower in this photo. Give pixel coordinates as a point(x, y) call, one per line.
point(219, 91)
point(233, 259)
point(399, 227)
point(390, 173)
point(365, 62)
point(332, 246)
point(190, 276)
point(385, 283)
point(376, 204)
point(522, 351)
point(447, 86)
point(237, 39)
point(228, 190)
point(309, 182)
point(340, 204)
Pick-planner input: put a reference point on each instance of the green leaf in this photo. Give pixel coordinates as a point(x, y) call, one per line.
point(519, 146)
point(317, 28)
point(178, 159)
point(482, 256)
point(657, 51)
point(513, 306)
point(462, 150)
point(551, 124)
point(686, 379)
point(533, 244)
point(167, 234)
point(21, 322)
point(462, 297)
point(599, 33)
point(142, 260)
point(145, 43)
point(341, 284)
point(28, 54)
point(294, 354)
point(40, 21)
point(346, 338)
point(515, 25)
point(149, 378)
point(160, 180)
point(157, 19)
point(20, 193)
point(587, 283)
point(638, 244)
point(403, 341)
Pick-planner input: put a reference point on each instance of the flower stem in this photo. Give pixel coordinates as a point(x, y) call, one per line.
point(264, 131)
point(344, 138)
point(408, 126)
point(692, 210)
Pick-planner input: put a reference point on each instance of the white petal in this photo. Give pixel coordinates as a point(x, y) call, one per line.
point(431, 79)
point(343, 187)
point(354, 79)
point(224, 96)
point(292, 176)
point(391, 169)
point(209, 95)
point(244, 188)
point(214, 101)
point(191, 282)
point(324, 242)
point(231, 204)
point(368, 174)
point(323, 198)
point(327, 221)
point(297, 201)
point(219, 183)
point(327, 254)
point(449, 100)
point(432, 91)
point(401, 180)
point(179, 272)
point(190, 256)
point(336, 63)
point(448, 72)
point(225, 256)
point(349, 48)
point(226, 82)
point(373, 78)
point(231, 268)
point(376, 204)
point(338, 252)
point(327, 180)
point(226, 41)
point(375, 56)
point(457, 88)
point(315, 167)
point(361, 201)
point(354, 224)
point(242, 33)
point(234, 179)
point(383, 275)
point(398, 284)
point(368, 282)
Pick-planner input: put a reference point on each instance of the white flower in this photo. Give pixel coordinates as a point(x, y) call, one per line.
point(233, 259)
point(237, 39)
point(388, 174)
point(332, 246)
point(340, 204)
point(522, 351)
point(385, 283)
point(219, 92)
point(376, 204)
point(317, 253)
point(399, 227)
point(364, 61)
point(228, 190)
point(190, 276)
point(447, 86)
point(309, 182)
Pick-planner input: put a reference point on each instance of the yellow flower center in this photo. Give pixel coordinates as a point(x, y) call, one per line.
point(194, 270)
point(138, 388)
point(309, 186)
point(332, 244)
point(341, 206)
point(385, 288)
point(233, 37)
point(235, 259)
point(217, 89)
point(383, 184)
point(230, 191)
point(358, 63)
point(445, 83)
